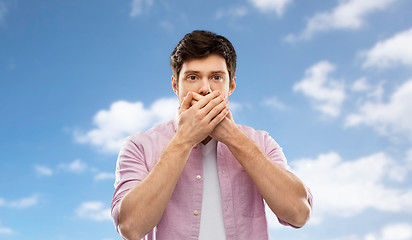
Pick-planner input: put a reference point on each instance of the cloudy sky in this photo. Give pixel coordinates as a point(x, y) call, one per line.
point(330, 80)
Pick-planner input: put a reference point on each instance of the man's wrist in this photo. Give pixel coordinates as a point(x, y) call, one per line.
point(183, 142)
point(235, 134)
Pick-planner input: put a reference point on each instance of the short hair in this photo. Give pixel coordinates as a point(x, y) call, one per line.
point(200, 44)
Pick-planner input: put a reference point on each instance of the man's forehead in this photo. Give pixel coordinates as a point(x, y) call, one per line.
point(204, 66)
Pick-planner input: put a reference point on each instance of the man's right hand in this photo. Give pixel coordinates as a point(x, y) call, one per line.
point(196, 122)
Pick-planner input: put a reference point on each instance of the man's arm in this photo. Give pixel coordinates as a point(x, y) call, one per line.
point(142, 208)
point(284, 193)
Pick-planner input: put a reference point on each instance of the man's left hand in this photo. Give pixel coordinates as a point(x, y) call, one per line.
point(225, 129)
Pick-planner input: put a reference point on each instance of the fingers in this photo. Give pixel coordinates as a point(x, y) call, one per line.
point(197, 96)
point(186, 102)
point(204, 100)
point(213, 101)
point(209, 106)
point(215, 106)
point(213, 110)
point(215, 121)
point(193, 102)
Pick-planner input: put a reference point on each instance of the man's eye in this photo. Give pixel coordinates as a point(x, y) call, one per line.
point(217, 78)
point(192, 78)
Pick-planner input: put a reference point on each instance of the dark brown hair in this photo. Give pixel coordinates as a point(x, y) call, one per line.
point(200, 44)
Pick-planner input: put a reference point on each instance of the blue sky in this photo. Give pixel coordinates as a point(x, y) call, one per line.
point(330, 80)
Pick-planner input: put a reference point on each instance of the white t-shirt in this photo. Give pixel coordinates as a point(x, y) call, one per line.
point(211, 221)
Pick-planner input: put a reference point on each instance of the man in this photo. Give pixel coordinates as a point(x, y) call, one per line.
point(202, 176)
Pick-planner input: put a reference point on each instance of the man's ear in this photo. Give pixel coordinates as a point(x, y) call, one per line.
point(232, 86)
point(175, 85)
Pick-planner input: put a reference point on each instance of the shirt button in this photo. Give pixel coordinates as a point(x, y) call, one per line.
point(198, 177)
point(195, 212)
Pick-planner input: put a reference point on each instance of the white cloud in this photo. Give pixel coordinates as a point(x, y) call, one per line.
point(167, 25)
point(236, 106)
point(232, 12)
point(392, 51)
point(277, 6)
point(391, 118)
point(24, 202)
point(94, 211)
point(326, 94)
point(349, 14)
point(123, 119)
point(364, 90)
point(77, 166)
point(273, 102)
point(20, 203)
point(104, 176)
point(138, 6)
point(409, 158)
point(400, 231)
point(5, 230)
point(3, 11)
point(346, 188)
point(361, 85)
point(397, 231)
point(43, 171)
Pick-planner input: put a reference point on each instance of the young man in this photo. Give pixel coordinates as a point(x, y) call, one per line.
point(200, 175)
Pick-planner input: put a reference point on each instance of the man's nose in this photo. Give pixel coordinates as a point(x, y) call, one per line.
point(205, 87)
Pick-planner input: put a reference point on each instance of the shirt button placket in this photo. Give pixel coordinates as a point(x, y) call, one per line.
point(196, 212)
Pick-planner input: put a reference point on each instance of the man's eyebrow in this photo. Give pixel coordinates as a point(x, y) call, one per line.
point(191, 72)
point(198, 72)
point(219, 72)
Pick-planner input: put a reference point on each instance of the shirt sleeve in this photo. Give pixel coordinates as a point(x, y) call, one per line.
point(131, 168)
point(275, 153)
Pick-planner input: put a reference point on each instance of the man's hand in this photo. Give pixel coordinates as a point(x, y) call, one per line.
point(198, 120)
point(225, 128)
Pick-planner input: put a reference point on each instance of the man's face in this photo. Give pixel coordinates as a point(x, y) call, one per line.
point(203, 76)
